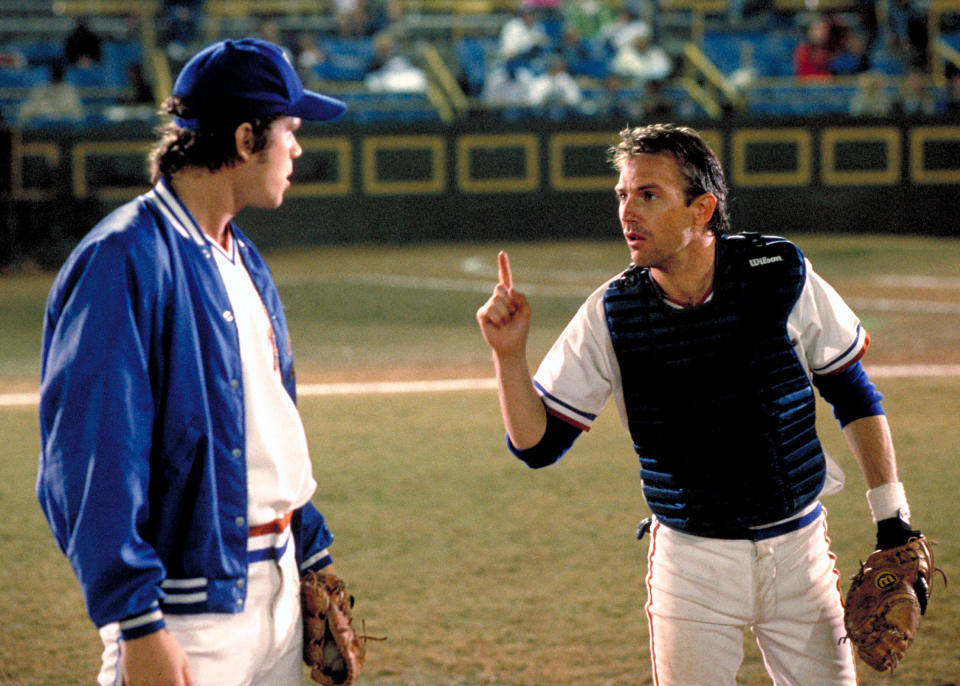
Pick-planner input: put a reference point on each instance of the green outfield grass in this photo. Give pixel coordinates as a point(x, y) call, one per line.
point(477, 569)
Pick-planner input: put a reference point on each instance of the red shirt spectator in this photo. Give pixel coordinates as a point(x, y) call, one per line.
point(812, 57)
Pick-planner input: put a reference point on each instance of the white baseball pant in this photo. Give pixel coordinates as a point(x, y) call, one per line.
point(702, 593)
point(261, 646)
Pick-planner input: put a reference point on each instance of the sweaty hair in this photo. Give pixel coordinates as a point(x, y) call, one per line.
point(698, 165)
point(209, 148)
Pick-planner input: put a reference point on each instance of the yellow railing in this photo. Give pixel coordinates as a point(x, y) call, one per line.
point(702, 97)
point(698, 66)
point(455, 7)
point(440, 73)
point(243, 8)
point(702, 6)
point(441, 103)
point(101, 7)
point(943, 54)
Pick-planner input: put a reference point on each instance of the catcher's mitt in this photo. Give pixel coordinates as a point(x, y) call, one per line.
point(883, 606)
point(330, 645)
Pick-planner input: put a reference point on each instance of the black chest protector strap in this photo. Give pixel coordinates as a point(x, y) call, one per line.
point(720, 409)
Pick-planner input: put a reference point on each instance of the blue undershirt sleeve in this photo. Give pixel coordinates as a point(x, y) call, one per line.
point(557, 439)
point(851, 393)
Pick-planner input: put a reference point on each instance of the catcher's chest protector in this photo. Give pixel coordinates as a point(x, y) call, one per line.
point(720, 409)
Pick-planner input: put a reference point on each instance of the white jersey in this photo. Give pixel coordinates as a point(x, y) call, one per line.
point(279, 471)
point(580, 371)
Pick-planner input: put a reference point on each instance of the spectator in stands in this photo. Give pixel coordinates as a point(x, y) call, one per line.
point(640, 60)
point(643, 10)
point(365, 17)
point(307, 55)
point(625, 27)
point(811, 59)
point(81, 46)
point(656, 105)
point(871, 98)
point(378, 15)
point(589, 18)
point(523, 38)
point(615, 103)
point(53, 101)
point(392, 70)
point(346, 14)
point(179, 27)
point(504, 88)
point(625, 106)
point(853, 57)
point(916, 96)
point(556, 92)
point(583, 58)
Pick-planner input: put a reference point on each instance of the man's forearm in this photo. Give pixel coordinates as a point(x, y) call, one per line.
point(872, 445)
point(524, 416)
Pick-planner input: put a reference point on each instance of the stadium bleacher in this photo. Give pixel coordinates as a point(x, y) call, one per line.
point(746, 66)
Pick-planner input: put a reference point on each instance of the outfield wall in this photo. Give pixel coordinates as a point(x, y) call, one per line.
point(530, 180)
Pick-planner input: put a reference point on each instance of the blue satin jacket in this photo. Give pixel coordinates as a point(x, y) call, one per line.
point(142, 474)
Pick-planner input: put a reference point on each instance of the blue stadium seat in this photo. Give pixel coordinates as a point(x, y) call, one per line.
point(724, 49)
point(773, 54)
point(122, 52)
point(348, 59)
point(595, 63)
point(883, 60)
point(95, 76)
point(41, 52)
point(365, 107)
point(781, 101)
point(553, 27)
point(23, 78)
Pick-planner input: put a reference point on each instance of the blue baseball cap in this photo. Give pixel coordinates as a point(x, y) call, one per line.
point(236, 81)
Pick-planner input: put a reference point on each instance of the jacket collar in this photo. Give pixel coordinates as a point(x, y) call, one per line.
point(175, 212)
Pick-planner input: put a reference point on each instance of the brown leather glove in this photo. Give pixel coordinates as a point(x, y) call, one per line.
point(330, 645)
point(885, 601)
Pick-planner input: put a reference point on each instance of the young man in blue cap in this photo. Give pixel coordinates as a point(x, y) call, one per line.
point(174, 469)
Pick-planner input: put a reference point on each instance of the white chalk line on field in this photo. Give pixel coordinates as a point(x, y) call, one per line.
point(919, 281)
point(895, 371)
point(428, 283)
point(893, 305)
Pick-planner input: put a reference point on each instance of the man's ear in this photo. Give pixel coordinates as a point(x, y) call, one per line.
point(243, 138)
point(704, 206)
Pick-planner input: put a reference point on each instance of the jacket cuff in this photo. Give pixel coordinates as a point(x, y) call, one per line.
point(141, 625)
point(317, 561)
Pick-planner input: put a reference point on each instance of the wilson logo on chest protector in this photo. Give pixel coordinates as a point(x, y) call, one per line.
point(760, 261)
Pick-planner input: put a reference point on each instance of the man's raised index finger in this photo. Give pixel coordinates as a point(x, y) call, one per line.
point(503, 269)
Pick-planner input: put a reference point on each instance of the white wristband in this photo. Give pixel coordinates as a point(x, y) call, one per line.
point(888, 500)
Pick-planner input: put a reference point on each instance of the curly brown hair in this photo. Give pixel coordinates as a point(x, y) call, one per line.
point(210, 148)
point(698, 164)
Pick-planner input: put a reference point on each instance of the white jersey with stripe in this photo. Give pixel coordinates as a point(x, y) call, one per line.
point(279, 471)
point(580, 371)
